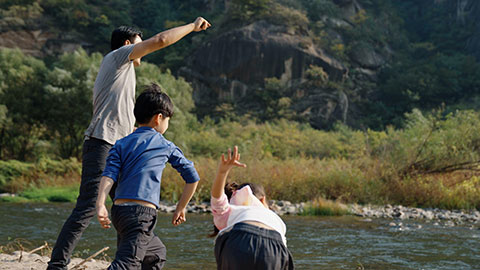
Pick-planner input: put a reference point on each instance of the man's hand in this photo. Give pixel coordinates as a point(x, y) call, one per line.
point(102, 215)
point(178, 217)
point(226, 164)
point(201, 24)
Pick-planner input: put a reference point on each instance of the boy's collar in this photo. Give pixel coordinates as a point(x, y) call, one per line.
point(145, 128)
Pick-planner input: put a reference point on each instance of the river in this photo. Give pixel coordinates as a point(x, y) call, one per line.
point(316, 242)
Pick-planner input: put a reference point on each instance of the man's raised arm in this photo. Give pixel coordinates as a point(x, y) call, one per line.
point(167, 37)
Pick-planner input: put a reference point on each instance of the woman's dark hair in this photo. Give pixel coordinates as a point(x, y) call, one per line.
point(229, 188)
point(121, 34)
point(150, 102)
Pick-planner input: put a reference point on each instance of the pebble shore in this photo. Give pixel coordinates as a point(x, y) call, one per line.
point(396, 213)
point(437, 216)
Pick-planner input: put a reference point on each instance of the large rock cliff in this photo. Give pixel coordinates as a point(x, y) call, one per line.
point(237, 60)
point(468, 13)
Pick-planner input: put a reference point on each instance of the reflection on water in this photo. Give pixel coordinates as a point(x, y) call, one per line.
point(315, 242)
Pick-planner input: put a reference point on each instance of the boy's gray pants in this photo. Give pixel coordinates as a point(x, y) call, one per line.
point(250, 247)
point(94, 156)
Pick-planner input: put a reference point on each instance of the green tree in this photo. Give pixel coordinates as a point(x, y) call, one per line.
point(183, 121)
point(426, 83)
point(69, 87)
point(21, 92)
point(248, 10)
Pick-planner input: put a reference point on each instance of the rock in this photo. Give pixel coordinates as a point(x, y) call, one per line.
point(232, 62)
point(349, 8)
point(290, 210)
point(170, 209)
point(367, 57)
point(442, 216)
point(428, 215)
point(399, 214)
point(275, 208)
point(449, 223)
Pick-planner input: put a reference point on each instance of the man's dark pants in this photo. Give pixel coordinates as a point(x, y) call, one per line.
point(137, 246)
point(94, 157)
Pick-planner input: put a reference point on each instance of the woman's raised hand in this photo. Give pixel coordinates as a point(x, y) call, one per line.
point(227, 163)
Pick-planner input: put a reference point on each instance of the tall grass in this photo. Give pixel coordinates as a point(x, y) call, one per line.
point(323, 207)
point(432, 162)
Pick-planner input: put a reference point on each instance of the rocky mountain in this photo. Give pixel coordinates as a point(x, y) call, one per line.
point(353, 44)
point(235, 61)
point(234, 64)
point(468, 13)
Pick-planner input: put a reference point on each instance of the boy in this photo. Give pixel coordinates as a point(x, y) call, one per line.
point(136, 163)
point(112, 119)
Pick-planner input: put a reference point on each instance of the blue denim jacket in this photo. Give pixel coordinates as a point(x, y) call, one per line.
point(137, 161)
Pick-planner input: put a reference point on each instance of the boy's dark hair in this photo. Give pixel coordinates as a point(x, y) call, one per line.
point(152, 101)
point(121, 34)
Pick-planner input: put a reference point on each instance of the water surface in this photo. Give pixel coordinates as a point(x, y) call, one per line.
point(315, 242)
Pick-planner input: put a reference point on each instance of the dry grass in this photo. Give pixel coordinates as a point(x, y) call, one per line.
point(361, 180)
point(323, 207)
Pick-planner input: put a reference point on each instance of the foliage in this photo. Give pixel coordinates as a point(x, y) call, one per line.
point(248, 10)
point(322, 207)
point(427, 83)
point(11, 170)
point(69, 88)
point(432, 143)
point(181, 94)
point(431, 162)
point(23, 101)
point(403, 154)
point(48, 194)
point(47, 109)
point(318, 8)
point(18, 176)
point(291, 17)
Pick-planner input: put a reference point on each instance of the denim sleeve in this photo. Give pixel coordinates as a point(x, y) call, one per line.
point(184, 166)
point(112, 168)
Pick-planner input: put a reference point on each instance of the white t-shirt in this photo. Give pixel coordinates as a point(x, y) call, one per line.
point(244, 206)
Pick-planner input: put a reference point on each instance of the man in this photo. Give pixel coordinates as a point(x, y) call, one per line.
point(113, 119)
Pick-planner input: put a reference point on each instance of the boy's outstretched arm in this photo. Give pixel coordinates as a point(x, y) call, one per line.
point(179, 215)
point(102, 213)
point(167, 37)
point(226, 164)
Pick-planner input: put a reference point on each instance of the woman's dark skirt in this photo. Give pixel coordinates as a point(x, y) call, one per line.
point(250, 247)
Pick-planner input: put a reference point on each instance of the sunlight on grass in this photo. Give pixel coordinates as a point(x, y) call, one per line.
point(324, 207)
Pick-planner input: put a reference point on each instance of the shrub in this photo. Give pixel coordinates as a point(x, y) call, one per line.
point(11, 170)
point(323, 207)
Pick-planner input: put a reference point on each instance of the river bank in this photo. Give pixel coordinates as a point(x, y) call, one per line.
point(22, 260)
point(394, 212)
